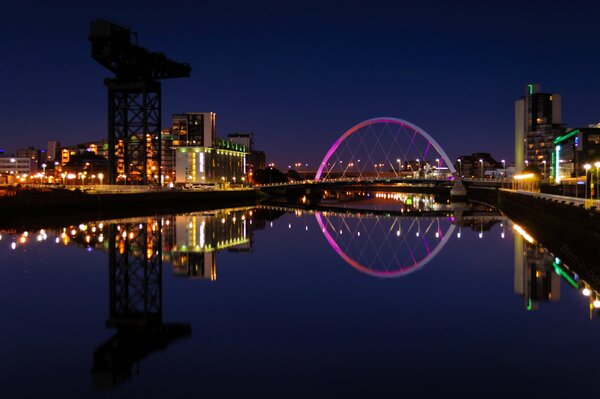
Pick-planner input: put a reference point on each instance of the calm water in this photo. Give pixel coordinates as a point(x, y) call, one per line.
point(409, 299)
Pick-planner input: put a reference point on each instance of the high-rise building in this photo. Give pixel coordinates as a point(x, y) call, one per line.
point(53, 151)
point(194, 129)
point(30, 152)
point(538, 121)
point(535, 278)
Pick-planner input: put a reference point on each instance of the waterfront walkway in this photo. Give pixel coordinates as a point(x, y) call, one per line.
point(586, 203)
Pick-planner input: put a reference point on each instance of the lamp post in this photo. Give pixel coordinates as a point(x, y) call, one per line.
point(100, 177)
point(544, 162)
point(597, 165)
point(481, 162)
point(459, 167)
point(587, 167)
point(399, 167)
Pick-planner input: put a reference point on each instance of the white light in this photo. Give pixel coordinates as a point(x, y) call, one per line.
point(586, 292)
point(480, 235)
point(57, 240)
point(13, 245)
point(457, 235)
point(597, 303)
point(502, 235)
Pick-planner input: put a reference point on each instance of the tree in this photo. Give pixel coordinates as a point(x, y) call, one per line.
point(293, 175)
point(269, 175)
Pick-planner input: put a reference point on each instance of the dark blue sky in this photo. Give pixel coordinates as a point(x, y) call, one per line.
point(298, 74)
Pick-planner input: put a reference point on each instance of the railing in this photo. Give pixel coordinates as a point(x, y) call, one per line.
point(587, 203)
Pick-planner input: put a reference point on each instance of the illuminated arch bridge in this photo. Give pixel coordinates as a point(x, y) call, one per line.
point(385, 148)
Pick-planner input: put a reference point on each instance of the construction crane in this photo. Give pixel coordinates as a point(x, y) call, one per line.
point(134, 101)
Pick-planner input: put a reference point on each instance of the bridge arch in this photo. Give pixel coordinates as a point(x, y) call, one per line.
point(386, 120)
point(392, 269)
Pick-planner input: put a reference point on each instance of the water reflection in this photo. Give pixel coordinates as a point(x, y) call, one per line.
point(537, 274)
point(380, 234)
point(135, 298)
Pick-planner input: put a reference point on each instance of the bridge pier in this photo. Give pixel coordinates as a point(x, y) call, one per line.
point(458, 191)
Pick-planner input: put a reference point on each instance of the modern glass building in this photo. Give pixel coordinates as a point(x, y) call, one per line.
point(224, 163)
point(572, 151)
point(538, 121)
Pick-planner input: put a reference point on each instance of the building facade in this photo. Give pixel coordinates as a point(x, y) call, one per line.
point(194, 129)
point(476, 165)
point(572, 151)
point(538, 121)
point(17, 166)
point(53, 151)
point(224, 163)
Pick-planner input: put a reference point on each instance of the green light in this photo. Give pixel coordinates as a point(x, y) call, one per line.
point(409, 201)
point(530, 89)
point(529, 304)
point(556, 161)
point(564, 274)
point(566, 136)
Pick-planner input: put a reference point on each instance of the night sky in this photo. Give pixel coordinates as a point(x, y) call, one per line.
point(298, 74)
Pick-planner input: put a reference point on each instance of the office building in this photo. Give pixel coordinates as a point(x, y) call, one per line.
point(31, 153)
point(10, 165)
point(254, 159)
point(573, 150)
point(538, 121)
point(53, 151)
point(197, 156)
point(223, 163)
point(194, 129)
point(477, 164)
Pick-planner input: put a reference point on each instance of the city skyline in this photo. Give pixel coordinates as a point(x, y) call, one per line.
point(453, 71)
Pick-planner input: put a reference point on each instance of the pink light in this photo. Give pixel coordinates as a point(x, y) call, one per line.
point(396, 121)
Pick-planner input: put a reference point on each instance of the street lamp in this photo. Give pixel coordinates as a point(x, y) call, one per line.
point(544, 162)
point(438, 162)
point(459, 167)
point(481, 162)
point(399, 167)
point(597, 165)
point(587, 167)
point(100, 177)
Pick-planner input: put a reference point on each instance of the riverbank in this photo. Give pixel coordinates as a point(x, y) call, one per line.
point(47, 207)
point(567, 229)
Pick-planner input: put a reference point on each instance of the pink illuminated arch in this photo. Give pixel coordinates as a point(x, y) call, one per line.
point(387, 120)
point(402, 271)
